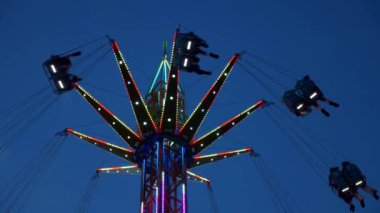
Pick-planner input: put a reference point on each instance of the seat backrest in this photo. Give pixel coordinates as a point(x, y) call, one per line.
point(352, 172)
point(306, 87)
point(338, 178)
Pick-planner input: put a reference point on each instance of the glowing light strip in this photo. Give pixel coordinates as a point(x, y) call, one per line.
point(224, 153)
point(183, 198)
point(61, 84)
point(87, 95)
point(91, 139)
point(198, 177)
point(232, 121)
point(116, 48)
point(172, 80)
point(185, 62)
point(157, 198)
point(165, 74)
point(188, 45)
point(313, 95)
point(122, 152)
point(184, 179)
point(143, 185)
point(204, 97)
point(299, 106)
point(142, 207)
point(155, 78)
point(167, 64)
point(177, 102)
point(211, 93)
point(209, 138)
point(163, 192)
point(53, 68)
point(157, 174)
point(163, 195)
point(119, 168)
point(167, 67)
point(173, 48)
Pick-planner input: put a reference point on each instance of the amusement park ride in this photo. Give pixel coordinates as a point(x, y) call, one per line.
point(164, 148)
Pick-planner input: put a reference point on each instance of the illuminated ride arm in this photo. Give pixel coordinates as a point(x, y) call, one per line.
point(134, 170)
point(205, 141)
point(202, 160)
point(191, 126)
point(126, 133)
point(197, 178)
point(169, 114)
point(124, 153)
point(144, 120)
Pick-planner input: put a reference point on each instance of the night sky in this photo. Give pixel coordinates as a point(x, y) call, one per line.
point(335, 42)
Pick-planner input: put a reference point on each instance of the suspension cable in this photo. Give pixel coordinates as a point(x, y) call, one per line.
point(88, 194)
point(309, 158)
point(23, 123)
point(279, 194)
point(15, 194)
point(286, 72)
point(105, 90)
point(211, 195)
point(271, 91)
point(309, 144)
point(88, 55)
point(92, 67)
point(335, 154)
point(84, 45)
point(265, 74)
point(7, 112)
point(22, 116)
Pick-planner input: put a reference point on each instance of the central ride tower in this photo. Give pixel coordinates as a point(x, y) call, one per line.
point(164, 147)
point(163, 156)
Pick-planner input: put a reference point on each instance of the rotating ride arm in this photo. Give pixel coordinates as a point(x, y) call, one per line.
point(169, 114)
point(195, 120)
point(124, 153)
point(201, 160)
point(197, 178)
point(144, 120)
point(134, 170)
point(203, 142)
point(128, 135)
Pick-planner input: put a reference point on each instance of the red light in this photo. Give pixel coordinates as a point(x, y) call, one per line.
point(115, 46)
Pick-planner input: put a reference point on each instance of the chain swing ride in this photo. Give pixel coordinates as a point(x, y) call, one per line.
point(164, 148)
point(162, 151)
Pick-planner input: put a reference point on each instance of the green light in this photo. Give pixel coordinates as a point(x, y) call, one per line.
point(155, 78)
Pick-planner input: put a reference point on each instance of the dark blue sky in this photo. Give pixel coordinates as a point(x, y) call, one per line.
point(336, 42)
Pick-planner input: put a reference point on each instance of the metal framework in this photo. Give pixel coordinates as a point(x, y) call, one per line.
point(164, 149)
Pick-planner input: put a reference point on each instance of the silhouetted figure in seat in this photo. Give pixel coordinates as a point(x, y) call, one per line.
point(58, 70)
point(357, 179)
point(295, 103)
point(62, 63)
point(340, 185)
point(311, 92)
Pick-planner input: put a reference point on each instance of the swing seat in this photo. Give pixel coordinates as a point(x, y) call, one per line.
point(57, 70)
point(295, 103)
